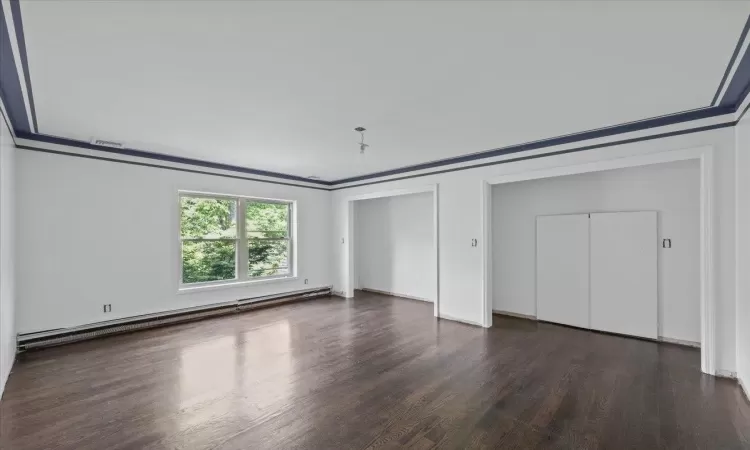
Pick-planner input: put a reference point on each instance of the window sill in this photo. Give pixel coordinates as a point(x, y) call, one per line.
point(233, 284)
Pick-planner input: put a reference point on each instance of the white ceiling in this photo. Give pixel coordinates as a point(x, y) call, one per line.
point(281, 85)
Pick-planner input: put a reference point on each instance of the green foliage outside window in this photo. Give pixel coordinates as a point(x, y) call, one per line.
point(208, 261)
point(208, 228)
point(215, 220)
point(268, 238)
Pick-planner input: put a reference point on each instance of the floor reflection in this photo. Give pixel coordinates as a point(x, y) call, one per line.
point(267, 348)
point(207, 370)
point(372, 372)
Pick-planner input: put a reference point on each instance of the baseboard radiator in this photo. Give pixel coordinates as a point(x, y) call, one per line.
point(51, 338)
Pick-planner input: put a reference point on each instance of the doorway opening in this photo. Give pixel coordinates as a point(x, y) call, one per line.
point(394, 244)
point(676, 326)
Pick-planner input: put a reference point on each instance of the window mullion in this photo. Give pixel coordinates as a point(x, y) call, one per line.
point(242, 256)
point(290, 215)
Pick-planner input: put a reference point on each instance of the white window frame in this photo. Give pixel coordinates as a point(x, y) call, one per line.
point(242, 269)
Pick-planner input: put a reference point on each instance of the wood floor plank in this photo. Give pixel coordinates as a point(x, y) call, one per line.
point(375, 372)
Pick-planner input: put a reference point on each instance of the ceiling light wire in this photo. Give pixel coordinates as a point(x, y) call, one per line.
point(362, 145)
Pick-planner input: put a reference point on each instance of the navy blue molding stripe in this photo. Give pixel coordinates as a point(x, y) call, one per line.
point(560, 140)
point(672, 119)
point(159, 166)
point(556, 153)
point(436, 172)
point(10, 84)
point(7, 123)
point(731, 60)
point(163, 157)
point(15, 9)
point(739, 85)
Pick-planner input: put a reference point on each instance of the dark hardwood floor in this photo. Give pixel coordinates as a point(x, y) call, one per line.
point(374, 372)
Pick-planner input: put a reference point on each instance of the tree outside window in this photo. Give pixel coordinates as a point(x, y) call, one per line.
point(211, 236)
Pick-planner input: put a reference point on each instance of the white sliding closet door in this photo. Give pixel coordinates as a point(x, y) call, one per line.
point(623, 273)
point(562, 269)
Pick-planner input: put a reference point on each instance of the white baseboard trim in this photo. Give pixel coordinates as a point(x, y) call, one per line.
point(726, 374)
point(456, 319)
point(661, 338)
point(240, 303)
point(395, 294)
point(7, 375)
point(339, 294)
point(516, 315)
point(680, 342)
point(60, 336)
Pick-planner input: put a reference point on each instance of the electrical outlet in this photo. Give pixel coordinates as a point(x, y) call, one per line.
point(305, 280)
point(107, 307)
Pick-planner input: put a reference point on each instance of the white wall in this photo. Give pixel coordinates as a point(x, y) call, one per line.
point(394, 242)
point(743, 250)
point(98, 232)
point(460, 220)
point(7, 250)
point(671, 189)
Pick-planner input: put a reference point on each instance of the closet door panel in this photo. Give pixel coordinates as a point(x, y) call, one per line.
point(562, 269)
point(624, 273)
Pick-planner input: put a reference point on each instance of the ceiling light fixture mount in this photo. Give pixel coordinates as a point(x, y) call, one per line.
point(362, 145)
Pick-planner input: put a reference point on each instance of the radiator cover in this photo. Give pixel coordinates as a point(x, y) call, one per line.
point(51, 338)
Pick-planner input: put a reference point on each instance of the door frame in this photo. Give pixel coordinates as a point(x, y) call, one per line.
point(703, 154)
point(349, 240)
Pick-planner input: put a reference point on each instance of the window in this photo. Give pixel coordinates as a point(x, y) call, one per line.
point(217, 248)
point(268, 241)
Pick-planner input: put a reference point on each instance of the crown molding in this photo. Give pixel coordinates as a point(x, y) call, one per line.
point(730, 95)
